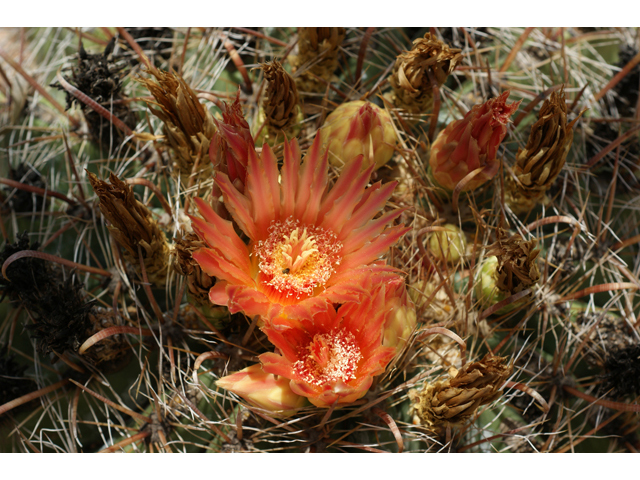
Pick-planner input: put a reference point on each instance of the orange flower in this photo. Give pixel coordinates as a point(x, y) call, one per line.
point(230, 143)
point(331, 356)
point(471, 143)
point(306, 243)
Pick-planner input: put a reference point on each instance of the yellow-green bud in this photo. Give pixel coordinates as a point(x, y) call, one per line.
point(449, 244)
point(353, 128)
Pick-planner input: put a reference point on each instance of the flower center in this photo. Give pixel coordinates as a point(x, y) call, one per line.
point(297, 258)
point(329, 357)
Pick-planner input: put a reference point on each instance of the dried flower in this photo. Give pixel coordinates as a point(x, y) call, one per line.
point(411, 81)
point(263, 389)
point(188, 126)
point(471, 143)
point(455, 400)
point(304, 240)
point(354, 128)
point(448, 245)
point(198, 282)
point(111, 353)
point(281, 103)
point(331, 355)
point(511, 269)
point(131, 224)
point(99, 76)
point(317, 56)
point(231, 143)
point(540, 162)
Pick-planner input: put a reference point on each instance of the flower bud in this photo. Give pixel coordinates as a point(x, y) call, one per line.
point(353, 128)
point(401, 315)
point(471, 143)
point(540, 162)
point(448, 245)
point(263, 389)
point(456, 400)
point(410, 80)
point(231, 142)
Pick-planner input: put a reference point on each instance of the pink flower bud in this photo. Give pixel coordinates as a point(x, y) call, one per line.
point(471, 143)
point(229, 149)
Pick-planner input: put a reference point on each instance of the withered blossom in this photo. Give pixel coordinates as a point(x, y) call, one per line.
point(188, 125)
point(131, 225)
point(455, 400)
point(317, 56)
point(517, 267)
point(281, 101)
point(411, 82)
point(540, 162)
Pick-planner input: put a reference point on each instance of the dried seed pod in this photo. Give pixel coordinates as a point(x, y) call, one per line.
point(540, 162)
point(281, 102)
point(131, 224)
point(411, 81)
point(455, 400)
point(188, 126)
point(317, 56)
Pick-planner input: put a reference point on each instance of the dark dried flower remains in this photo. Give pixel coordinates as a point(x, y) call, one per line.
point(100, 77)
point(132, 225)
point(455, 400)
point(517, 267)
point(413, 70)
point(25, 275)
point(540, 162)
point(188, 126)
point(622, 372)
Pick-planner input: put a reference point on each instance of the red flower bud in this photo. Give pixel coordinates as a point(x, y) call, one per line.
point(471, 143)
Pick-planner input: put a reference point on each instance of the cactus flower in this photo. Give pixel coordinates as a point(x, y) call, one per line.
point(263, 389)
point(353, 128)
point(471, 143)
point(332, 355)
point(306, 242)
point(230, 144)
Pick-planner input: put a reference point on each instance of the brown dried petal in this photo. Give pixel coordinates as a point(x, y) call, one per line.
point(198, 282)
point(188, 126)
point(410, 79)
point(541, 161)
point(317, 56)
point(132, 225)
point(281, 100)
point(517, 267)
point(456, 400)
